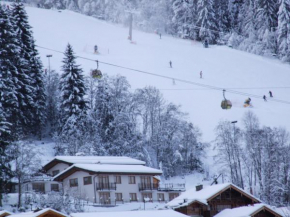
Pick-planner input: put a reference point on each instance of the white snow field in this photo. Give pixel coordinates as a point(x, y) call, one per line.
point(222, 67)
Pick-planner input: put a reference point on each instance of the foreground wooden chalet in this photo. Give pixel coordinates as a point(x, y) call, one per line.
point(140, 213)
point(5, 213)
point(41, 213)
point(209, 201)
point(257, 210)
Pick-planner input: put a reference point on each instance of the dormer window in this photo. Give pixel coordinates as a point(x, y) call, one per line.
point(55, 172)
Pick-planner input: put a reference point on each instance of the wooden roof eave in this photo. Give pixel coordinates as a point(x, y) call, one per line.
point(52, 213)
point(5, 214)
point(54, 162)
point(266, 208)
point(195, 201)
point(76, 169)
point(233, 187)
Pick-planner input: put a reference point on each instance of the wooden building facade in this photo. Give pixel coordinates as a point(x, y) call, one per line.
point(227, 198)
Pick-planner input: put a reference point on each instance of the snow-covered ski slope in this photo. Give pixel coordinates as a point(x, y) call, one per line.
point(222, 67)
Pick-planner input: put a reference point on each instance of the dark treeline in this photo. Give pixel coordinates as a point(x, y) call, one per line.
point(257, 26)
point(22, 90)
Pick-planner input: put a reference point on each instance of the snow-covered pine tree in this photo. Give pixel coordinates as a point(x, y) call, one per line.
point(284, 30)
point(222, 15)
point(5, 139)
point(34, 74)
point(179, 16)
point(266, 16)
point(206, 20)
point(72, 88)
point(248, 28)
point(266, 23)
point(9, 72)
point(52, 101)
point(236, 14)
point(190, 19)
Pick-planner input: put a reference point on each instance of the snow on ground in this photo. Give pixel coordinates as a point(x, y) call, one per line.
point(134, 206)
point(159, 213)
point(222, 66)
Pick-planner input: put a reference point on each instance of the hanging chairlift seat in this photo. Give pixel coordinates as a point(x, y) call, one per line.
point(96, 73)
point(226, 104)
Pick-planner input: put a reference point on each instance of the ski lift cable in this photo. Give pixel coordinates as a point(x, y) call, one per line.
point(176, 79)
point(232, 88)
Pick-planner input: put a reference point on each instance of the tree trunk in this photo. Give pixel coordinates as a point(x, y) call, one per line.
point(0, 199)
point(19, 193)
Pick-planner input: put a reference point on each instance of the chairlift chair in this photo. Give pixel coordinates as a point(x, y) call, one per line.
point(96, 73)
point(226, 104)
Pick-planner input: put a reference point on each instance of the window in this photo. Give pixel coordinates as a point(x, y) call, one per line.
point(160, 197)
point(133, 196)
point(54, 187)
point(119, 197)
point(118, 179)
point(73, 182)
point(87, 180)
point(147, 197)
point(55, 172)
point(132, 180)
point(104, 179)
point(38, 187)
point(146, 180)
point(105, 198)
point(173, 195)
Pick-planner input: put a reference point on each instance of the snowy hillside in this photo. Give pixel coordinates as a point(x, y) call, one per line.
point(222, 67)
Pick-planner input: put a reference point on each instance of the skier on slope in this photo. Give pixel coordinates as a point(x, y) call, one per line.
point(265, 98)
point(170, 64)
point(270, 93)
point(200, 74)
point(248, 101)
point(96, 49)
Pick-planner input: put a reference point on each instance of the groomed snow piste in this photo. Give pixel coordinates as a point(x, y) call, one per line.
point(222, 67)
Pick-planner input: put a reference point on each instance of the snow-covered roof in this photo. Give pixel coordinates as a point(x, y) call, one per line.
point(146, 213)
point(110, 169)
point(97, 160)
point(5, 212)
point(284, 211)
point(203, 195)
point(246, 211)
point(39, 213)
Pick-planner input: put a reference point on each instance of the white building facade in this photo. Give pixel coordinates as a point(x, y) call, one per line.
point(107, 180)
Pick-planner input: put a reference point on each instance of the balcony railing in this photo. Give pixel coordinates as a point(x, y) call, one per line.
point(161, 187)
point(148, 186)
point(106, 186)
point(38, 178)
point(171, 187)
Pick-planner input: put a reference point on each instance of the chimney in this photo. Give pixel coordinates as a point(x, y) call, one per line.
point(199, 187)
